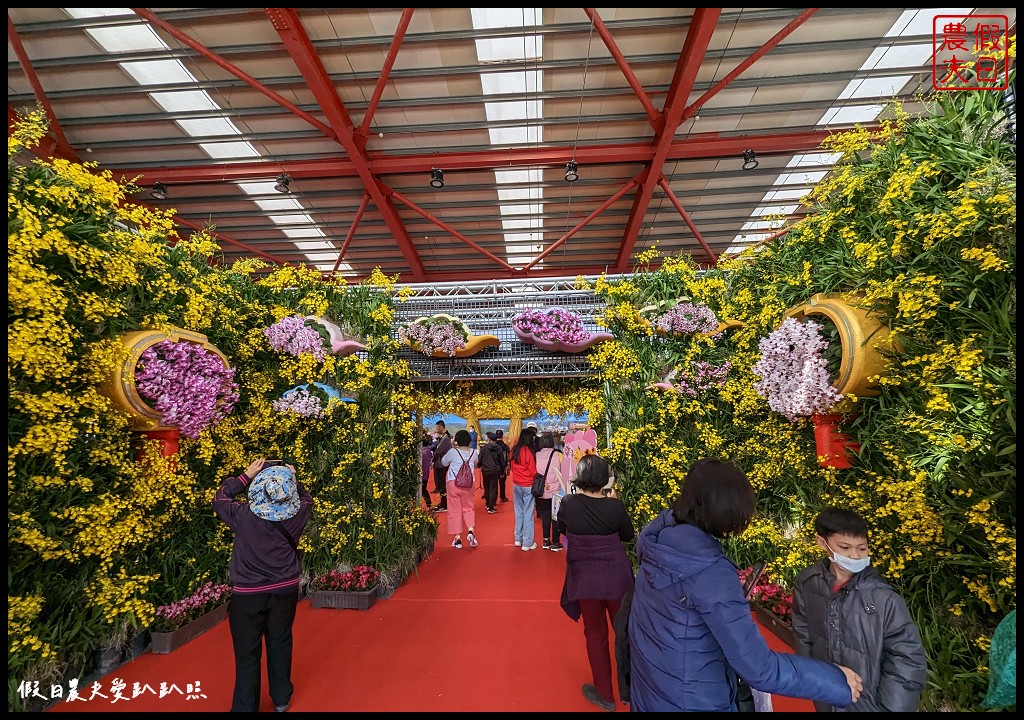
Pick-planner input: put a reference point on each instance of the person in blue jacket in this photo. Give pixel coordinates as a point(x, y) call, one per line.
point(691, 635)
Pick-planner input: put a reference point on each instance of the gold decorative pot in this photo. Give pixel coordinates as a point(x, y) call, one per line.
point(120, 387)
point(861, 336)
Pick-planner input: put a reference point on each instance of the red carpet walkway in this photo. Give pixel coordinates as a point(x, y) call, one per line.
point(476, 630)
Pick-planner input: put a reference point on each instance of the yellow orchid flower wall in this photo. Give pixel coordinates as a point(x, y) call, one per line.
point(916, 224)
point(101, 528)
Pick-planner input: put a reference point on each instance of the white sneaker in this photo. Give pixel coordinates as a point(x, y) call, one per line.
point(519, 543)
point(531, 547)
point(472, 539)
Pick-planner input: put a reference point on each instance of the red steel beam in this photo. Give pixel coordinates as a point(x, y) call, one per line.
point(352, 230)
point(385, 73)
point(604, 206)
point(697, 146)
point(441, 224)
point(688, 220)
point(754, 57)
point(63, 146)
point(702, 27)
point(248, 79)
point(297, 43)
point(602, 31)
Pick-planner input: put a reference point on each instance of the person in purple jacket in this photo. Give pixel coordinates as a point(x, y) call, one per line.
point(691, 635)
point(264, 575)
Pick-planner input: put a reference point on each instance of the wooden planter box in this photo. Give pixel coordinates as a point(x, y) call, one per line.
point(165, 642)
point(344, 599)
point(781, 629)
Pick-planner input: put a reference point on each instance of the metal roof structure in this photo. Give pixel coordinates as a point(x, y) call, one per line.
point(436, 143)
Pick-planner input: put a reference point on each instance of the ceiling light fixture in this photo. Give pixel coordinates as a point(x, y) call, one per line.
point(283, 180)
point(437, 178)
point(159, 191)
point(749, 160)
point(571, 171)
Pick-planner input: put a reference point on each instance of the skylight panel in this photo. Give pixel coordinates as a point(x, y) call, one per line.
point(780, 195)
point(514, 110)
point(208, 127)
point(882, 87)
point(898, 56)
point(126, 38)
point(295, 219)
point(226, 150)
point(314, 245)
point(509, 49)
point(184, 101)
point(801, 178)
point(303, 232)
point(813, 159)
point(158, 72)
point(850, 115)
point(83, 13)
point(513, 194)
point(490, 18)
point(521, 223)
point(284, 203)
point(519, 175)
point(919, 22)
point(257, 188)
point(507, 83)
point(522, 209)
point(774, 210)
point(515, 135)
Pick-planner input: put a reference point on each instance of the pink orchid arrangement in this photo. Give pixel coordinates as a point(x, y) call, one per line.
point(704, 376)
point(188, 385)
point(439, 333)
point(553, 325)
point(792, 370)
point(297, 335)
point(771, 596)
point(360, 577)
point(171, 617)
point(687, 318)
point(301, 402)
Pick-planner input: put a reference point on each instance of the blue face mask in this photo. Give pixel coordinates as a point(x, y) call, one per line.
point(849, 564)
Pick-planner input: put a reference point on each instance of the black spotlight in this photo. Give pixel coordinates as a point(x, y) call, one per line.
point(749, 160)
point(159, 191)
point(283, 180)
point(437, 178)
point(571, 171)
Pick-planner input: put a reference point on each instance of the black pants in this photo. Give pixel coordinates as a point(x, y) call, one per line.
point(425, 491)
point(491, 488)
point(440, 478)
point(252, 618)
point(501, 486)
point(550, 529)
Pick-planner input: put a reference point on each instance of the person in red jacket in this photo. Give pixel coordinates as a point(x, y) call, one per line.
point(264, 574)
point(522, 468)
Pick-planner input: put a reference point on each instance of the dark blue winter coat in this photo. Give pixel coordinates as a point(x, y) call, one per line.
point(691, 633)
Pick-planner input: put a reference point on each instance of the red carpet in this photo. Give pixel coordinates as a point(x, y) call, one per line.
point(477, 630)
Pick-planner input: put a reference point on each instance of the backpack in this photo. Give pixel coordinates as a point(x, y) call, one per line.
point(464, 477)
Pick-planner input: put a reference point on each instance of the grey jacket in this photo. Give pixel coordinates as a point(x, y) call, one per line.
point(865, 626)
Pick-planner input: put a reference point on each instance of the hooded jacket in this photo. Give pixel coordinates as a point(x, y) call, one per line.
point(691, 632)
point(866, 626)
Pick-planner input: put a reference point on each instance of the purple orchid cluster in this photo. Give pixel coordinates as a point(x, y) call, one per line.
point(553, 325)
point(687, 318)
point(296, 335)
point(300, 402)
point(704, 377)
point(433, 335)
point(360, 577)
point(171, 617)
point(793, 373)
point(188, 385)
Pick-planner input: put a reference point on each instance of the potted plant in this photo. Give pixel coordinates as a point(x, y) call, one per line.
point(190, 386)
point(772, 604)
point(556, 329)
point(444, 335)
point(179, 622)
point(297, 335)
point(355, 589)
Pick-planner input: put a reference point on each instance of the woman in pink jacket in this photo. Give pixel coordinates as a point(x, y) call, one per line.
point(523, 466)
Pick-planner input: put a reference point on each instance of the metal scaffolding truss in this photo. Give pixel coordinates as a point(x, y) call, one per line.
point(487, 308)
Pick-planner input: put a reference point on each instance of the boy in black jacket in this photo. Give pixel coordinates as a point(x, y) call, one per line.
point(845, 613)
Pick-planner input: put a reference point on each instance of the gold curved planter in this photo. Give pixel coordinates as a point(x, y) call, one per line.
point(861, 337)
point(474, 343)
point(120, 387)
